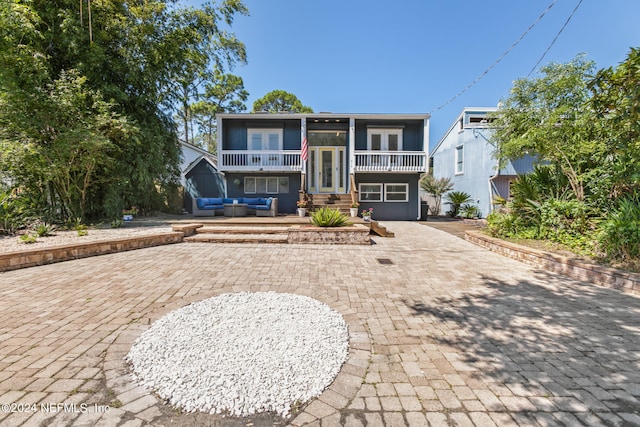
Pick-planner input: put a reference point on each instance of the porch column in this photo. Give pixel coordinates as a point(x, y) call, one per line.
point(352, 159)
point(304, 153)
point(221, 165)
point(425, 142)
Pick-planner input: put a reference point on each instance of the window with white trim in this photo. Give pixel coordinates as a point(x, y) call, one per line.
point(384, 139)
point(264, 139)
point(396, 192)
point(266, 184)
point(459, 159)
point(370, 192)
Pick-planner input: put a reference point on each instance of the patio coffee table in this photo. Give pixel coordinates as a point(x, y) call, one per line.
point(235, 209)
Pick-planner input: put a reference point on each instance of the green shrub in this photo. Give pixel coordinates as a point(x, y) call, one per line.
point(29, 238)
point(43, 229)
point(567, 222)
point(327, 217)
point(13, 212)
point(82, 229)
point(469, 211)
point(506, 224)
point(620, 232)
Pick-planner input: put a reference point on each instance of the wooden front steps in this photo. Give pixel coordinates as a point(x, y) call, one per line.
point(380, 230)
point(334, 201)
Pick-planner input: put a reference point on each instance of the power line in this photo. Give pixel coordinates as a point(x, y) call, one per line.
point(485, 72)
point(555, 38)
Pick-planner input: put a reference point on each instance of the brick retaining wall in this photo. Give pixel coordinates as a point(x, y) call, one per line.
point(571, 267)
point(353, 235)
point(16, 260)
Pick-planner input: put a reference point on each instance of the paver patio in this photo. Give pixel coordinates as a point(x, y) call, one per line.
point(447, 334)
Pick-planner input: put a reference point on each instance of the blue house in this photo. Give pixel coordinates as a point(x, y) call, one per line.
point(466, 155)
point(374, 159)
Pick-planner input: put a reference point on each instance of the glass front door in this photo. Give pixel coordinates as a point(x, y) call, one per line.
point(327, 162)
point(327, 170)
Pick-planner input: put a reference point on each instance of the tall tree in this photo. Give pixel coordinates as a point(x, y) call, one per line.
point(616, 101)
point(280, 101)
point(222, 93)
point(136, 61)
point(547, 117)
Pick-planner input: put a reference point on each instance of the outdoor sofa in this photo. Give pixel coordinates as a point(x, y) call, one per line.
point(212, 206)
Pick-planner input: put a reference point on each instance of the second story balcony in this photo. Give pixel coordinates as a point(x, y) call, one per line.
point(390, 161)
point(260, 160)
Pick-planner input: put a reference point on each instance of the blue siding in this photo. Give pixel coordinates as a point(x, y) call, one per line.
point(518, 167)
point(412, 133)
point(479, 164)
point(412, 137)
point(291, 136)
point(286, 202)
point(392, 211)
point(202, 181)
point(234, 133)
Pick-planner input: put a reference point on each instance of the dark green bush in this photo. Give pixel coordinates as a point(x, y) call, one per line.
point(620, 232)
point(14, 212)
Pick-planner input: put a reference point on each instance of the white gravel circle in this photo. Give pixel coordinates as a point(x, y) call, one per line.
point(242, 353)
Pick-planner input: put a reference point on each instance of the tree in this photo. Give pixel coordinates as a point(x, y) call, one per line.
point(437, 187)
point(123, 74)
point(616, 102)
point(222, 93)
point(280, 101)
point(546, 117)
point(65, 161)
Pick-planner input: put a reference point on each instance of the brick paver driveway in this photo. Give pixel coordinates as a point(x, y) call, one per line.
point(445, 334)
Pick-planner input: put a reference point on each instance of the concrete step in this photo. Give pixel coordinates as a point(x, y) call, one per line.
point(237, 229)
point(236, 238)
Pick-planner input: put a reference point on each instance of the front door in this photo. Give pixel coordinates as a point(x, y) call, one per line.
point(327, 169)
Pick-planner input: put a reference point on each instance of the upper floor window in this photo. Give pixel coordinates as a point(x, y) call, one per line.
point(384, 139)
point(478, 120)
point(264, 139)
point(459, 159)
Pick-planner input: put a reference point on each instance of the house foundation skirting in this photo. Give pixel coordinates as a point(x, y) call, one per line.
point(571, 267)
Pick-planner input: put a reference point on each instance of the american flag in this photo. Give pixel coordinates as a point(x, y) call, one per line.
point(304, 153)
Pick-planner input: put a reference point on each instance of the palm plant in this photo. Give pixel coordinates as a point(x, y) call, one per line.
point(436, 187)
point(456, 199)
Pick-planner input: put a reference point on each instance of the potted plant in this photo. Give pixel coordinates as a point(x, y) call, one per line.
point(302, 207)
point(366, 214)
point(354, 209)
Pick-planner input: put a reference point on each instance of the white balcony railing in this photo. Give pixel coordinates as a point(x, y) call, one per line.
point(289, 160)
point(390, 161)
point(247, 160)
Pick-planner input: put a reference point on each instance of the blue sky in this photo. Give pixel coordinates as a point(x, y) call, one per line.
point(412, 56)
